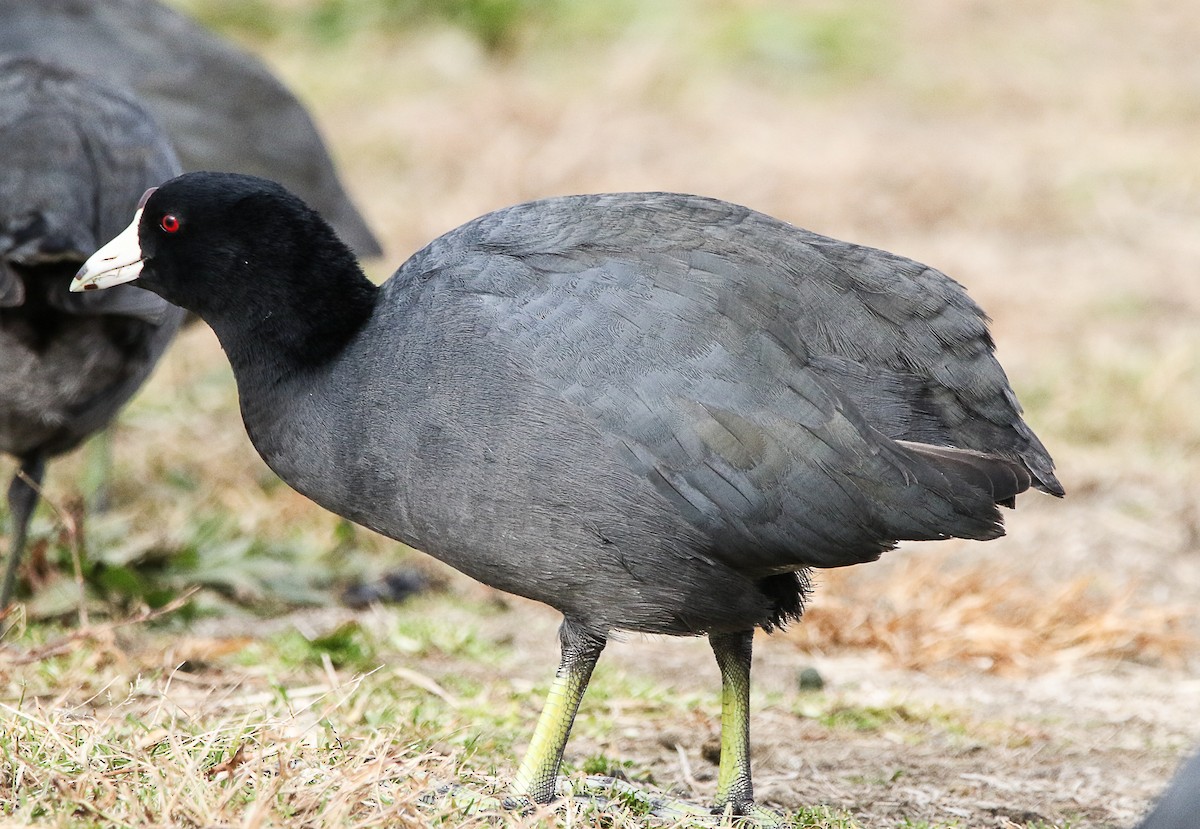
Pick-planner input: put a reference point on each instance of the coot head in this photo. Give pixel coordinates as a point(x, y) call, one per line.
point(236, 250)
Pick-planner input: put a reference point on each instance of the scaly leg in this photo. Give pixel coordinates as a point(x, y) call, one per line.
point(539, 770)
point(735, 791)
point(22, 498)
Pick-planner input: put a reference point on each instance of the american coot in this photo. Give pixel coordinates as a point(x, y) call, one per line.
point(76, 156)
point(653, 412)
point(220, 106)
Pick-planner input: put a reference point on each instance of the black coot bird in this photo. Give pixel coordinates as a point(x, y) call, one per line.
point(75, 154)
point(653, 412)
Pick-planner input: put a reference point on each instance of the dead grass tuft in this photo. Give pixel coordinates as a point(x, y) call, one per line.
point(930, 615)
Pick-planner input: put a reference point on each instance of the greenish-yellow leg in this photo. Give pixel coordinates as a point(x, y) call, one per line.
point(735, 791)
point(539, 770)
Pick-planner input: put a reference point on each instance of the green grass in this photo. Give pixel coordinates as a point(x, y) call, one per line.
point(776, 40)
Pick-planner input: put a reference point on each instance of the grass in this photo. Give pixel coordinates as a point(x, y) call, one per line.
point(871, 717)
point(1049, 167)
point(841, 42)
point(930, 613)
point(346, 718)
point(285, 730)
point(350, 719)
point(281, 728)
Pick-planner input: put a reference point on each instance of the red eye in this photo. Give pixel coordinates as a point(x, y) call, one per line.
point(169, 223)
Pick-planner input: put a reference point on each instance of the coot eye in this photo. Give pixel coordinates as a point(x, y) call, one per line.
point(169, 223)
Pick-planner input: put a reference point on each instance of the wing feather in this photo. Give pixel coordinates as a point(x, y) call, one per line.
point(739, 368)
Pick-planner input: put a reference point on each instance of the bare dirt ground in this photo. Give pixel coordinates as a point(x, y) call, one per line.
point(1043, 154)
point(1078, 748)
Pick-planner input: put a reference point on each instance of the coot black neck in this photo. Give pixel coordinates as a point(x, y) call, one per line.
point(300, 324)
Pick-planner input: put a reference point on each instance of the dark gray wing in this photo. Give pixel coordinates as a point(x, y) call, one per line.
point(917, 359)
point(902, 341)
point(689, 332)
point(77, 155)
point(220, 106)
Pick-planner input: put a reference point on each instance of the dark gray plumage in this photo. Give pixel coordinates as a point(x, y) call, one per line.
point(1179, 806)
point(650, 411)
point(221, 107)
point(76, 156)
point(637, 363)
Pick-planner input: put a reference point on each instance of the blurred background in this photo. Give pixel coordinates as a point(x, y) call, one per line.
point(1044, 154)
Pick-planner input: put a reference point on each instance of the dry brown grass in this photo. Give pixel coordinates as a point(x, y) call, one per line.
point(210, 750)
point(930, 614)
